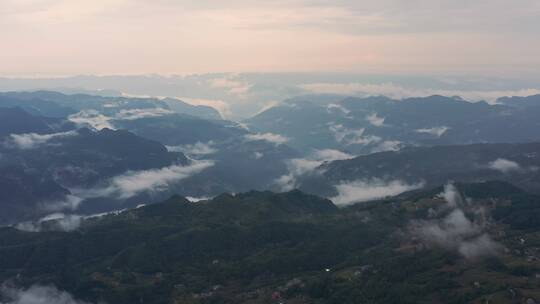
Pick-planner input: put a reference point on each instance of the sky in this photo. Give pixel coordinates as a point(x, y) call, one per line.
point(72, 37)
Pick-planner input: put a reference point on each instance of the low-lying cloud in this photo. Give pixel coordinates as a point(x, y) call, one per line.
point(196, 149)
point(134, 114)
point(435, 131)
point(387, 145)
point(28, 141)
point(452, 196)
point(301, 166)
point(96, 120)
point(92, 119)
point(232, 85)
point(269, 137)
point(352, 137)
point(36, 294)
point(330, 155)
point(375, 120)
point(52, 222)
point(455, 231)
point(133, 183)
point(70, 202)
point(365, 190)
point(337, 107)
point(504, 165)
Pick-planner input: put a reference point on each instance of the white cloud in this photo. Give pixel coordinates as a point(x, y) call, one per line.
point(436, 131)
point(70, 202)
point(366, 190)
point(197, 149)
point(455, 231)
point(33, 140)
point(302, 166)
point(452, 195)
point(352, 137)
point(134, 114)
point(334, 106)
point(504, 165)
point(114, 212)
point(375, 120)
point(198, 199)
point(37, 294)
point(286, 182)
point(269, 137)
point(387, 145)
point(95, 120)
point(135, 182)
point(242, 125)
point(55, 221)
point(232, 85)
point(331, 155)
point(267, 106)
point(258, 155)
point(92, 119)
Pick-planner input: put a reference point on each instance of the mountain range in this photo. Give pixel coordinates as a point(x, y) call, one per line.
point(319, 199)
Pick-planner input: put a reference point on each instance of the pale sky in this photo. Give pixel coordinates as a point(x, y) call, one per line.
point(68, 37)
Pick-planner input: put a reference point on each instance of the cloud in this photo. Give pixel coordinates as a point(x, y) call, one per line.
point(286, 182)
point(258, 155)
point(92, 119)
point(375, 120)
point(242, 125)
point(400, 92)
point(33, 140)
point(504, 165)
point(302, 166)
point(267, 106)
point(352, 137)
point(135, 182)
point(95, 120)
point(365, 190)
point(52, 222)
point(333, 106)
point(269, 137)
point(387, 145)
point(114, 212)
point(455, 231)
point(197, 149)
point(231, 84)
point(436, 131)
point(70, 202)
point(37, 294)
point(198, 199)
point(452, 196)
point(331, 155)
point(134, 114)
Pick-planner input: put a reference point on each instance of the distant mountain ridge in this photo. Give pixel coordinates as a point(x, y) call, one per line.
point(366, 125)
point(518, 164)
point(55, 104)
